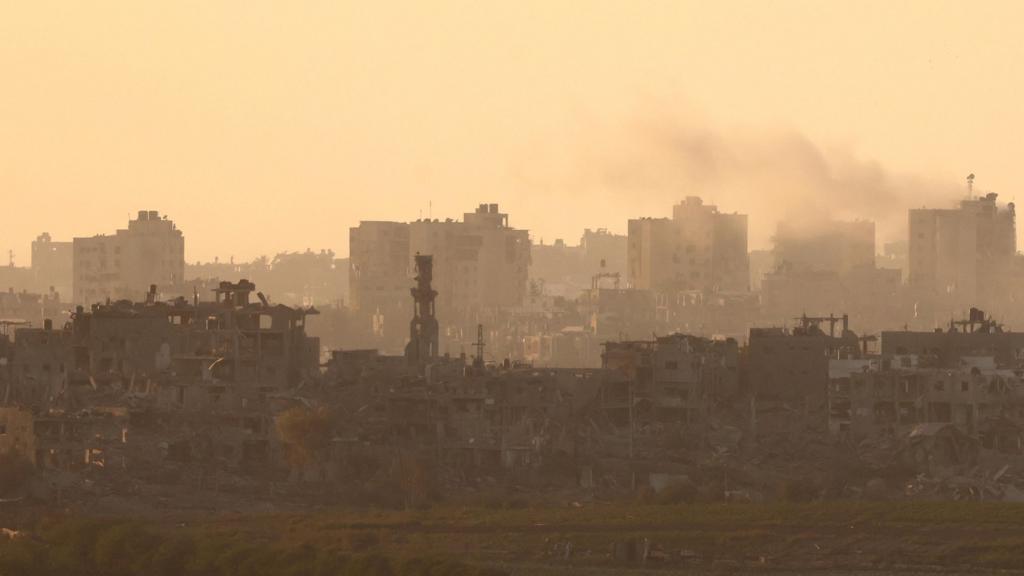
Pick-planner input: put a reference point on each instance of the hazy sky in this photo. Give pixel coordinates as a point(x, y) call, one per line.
point(263, 126)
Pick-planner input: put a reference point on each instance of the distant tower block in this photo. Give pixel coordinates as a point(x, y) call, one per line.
point(423, 330)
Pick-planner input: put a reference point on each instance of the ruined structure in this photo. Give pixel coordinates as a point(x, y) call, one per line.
point(792, 366)
point(228, 340)
point(31, 308)
point(676, 378)
point(967, 376)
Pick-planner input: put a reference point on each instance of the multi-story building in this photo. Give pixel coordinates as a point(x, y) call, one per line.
point(968, 376)
point(229, 341)
point(672, 378)
point(833, 246)
point(123, 266)
point(963, 253)
point(52, 265)
point(977, 336)
point(603, 251)
point(792, 366)
point(379, 272)
point(565, 270)
point(699, 249)
point(480, 262)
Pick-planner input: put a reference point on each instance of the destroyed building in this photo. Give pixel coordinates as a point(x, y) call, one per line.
point(139, 387)
point(791, 367)
point(968, 375)
point(230, 339)
point(151, 251)
point(677, 378)
point(308, 278)
point(29, 308)
point(63, 441)
point(977, 335)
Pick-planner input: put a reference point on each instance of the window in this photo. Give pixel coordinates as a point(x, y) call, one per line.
point(671, 365)
point(964, 387)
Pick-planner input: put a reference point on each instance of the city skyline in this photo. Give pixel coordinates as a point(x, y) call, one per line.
point(601, 115)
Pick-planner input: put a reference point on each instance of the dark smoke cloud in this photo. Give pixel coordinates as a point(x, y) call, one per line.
point(657, 160)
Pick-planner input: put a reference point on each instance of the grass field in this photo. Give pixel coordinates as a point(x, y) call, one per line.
point(878, 537)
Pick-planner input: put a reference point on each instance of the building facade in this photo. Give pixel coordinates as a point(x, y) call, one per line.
point(833, 246)
point(52, 265)
point(699, 249)
point(123, 266)
point(478, 263)
point(965, 253)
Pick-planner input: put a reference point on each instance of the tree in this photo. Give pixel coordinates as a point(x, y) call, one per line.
point(306, 432)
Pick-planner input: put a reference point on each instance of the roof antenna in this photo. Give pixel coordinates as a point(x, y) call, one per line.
point(970, 186)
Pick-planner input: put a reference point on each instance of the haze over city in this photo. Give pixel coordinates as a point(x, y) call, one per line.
point(306, 118)
point(334, 288)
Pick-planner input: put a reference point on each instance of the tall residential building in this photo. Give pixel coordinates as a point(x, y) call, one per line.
point(480, 262)
point(52, 264)
point(698, 249)
point(831, 246)
point(378, 277)
point(964, 252)
point(604, 251)
point(566, 270)
point(122, 266)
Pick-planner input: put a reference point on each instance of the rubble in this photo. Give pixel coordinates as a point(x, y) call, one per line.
point(148, 399)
